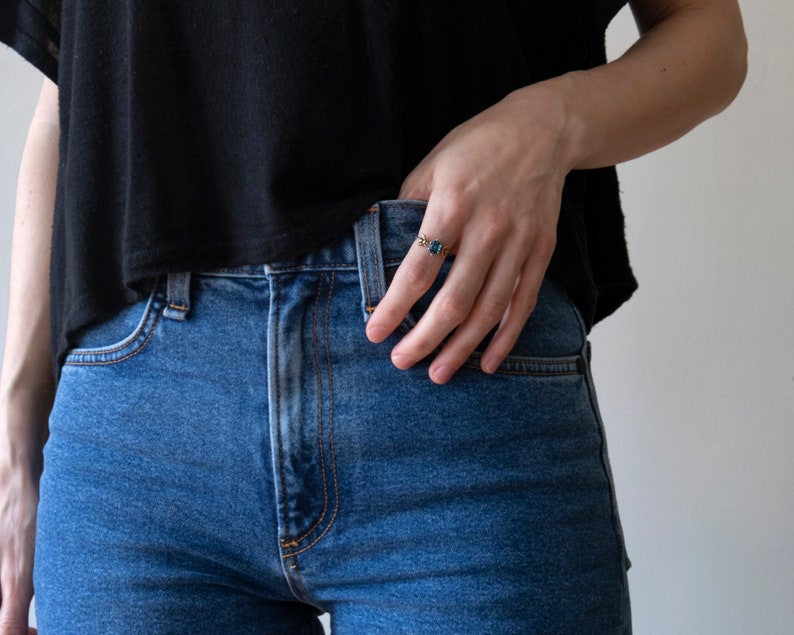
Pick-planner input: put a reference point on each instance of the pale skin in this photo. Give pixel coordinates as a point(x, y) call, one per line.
point(494, 183)
point(493, 187)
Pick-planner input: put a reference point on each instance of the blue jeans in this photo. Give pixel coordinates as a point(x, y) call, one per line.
point(233, 455)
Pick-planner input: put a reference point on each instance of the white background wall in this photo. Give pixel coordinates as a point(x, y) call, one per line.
point(696, 373)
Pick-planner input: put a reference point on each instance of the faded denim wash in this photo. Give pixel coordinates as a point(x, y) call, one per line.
point(232, 455)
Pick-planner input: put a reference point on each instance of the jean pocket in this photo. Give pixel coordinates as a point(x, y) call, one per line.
point(122, 336)
point(551, 342)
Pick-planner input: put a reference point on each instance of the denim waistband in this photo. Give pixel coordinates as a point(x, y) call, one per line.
point(379, 238)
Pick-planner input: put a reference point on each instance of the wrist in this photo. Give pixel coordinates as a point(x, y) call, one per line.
point(576, 135)
point(24, 429)
point(558, 102)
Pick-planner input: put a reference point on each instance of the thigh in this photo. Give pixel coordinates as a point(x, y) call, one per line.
point(156, 498)
point(482, 506)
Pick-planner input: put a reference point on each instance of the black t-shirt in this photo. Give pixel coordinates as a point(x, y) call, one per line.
point(200, 133)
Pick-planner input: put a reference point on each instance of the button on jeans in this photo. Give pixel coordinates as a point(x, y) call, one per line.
point(232, 455)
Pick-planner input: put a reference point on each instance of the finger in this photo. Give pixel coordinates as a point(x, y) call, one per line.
point(490, 307)
point(451, 305)
point(411, 281)
point(521, 306)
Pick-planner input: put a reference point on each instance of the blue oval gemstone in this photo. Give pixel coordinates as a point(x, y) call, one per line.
point(434, 247)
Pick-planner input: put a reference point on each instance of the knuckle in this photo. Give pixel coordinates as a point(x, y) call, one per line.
point(451, 200)
point(415, 277)
point(422, 347)
point(449, 207)
point(452, 308)
point(528, 304)
point(492, 309)
point(493, 235)
point(495, 225)
point(419, 346)
point(523, 233)
point(458, 349)
point(545, 244)
point(390, 314)
point(460, 355)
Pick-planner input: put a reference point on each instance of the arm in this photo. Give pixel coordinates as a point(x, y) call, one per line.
point(494, 183)
point(26, 384)
point(687, 66)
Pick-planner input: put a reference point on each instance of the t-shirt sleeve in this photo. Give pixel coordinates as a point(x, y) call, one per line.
point(33, 29)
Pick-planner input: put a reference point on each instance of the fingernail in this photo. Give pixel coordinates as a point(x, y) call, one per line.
point(490, 366)
point(403, 362)
point(443, 374)
point(377, 334)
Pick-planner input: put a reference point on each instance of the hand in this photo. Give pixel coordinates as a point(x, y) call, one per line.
point(18, 503)
point(493, 186)
point(22, 422)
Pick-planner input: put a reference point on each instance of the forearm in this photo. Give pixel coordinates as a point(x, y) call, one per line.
point(26, 383)
point(688, 65)
point(494, 183)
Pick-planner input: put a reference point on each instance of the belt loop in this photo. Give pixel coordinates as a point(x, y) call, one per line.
point(370, 260)
point(178, 301)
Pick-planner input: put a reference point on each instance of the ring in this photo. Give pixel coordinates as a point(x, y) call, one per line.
point(433, 246)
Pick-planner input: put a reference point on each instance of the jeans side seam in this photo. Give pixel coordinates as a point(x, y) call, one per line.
point(582, 328)
point(617, 530)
